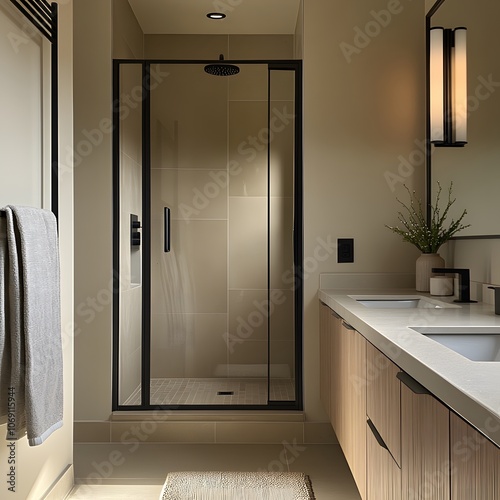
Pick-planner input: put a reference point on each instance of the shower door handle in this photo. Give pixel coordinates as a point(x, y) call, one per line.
point(166, 229)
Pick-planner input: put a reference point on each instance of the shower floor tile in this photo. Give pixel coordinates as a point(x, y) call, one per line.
point(201, 391)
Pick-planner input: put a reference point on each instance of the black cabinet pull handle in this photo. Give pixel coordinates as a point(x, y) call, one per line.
point(348, 326)
point(166, 229)
point(411, 383)
point(375, 432)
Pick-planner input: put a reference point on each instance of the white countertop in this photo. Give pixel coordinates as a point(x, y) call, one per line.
point(470, 388)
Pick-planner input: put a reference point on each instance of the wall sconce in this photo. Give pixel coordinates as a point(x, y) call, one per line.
point(448, 86)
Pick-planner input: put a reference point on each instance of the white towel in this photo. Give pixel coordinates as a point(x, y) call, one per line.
point(35, 389)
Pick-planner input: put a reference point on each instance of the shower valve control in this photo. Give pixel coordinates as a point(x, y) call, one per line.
point(135, 235)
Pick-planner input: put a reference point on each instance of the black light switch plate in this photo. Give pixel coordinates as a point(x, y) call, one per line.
point(345, 250)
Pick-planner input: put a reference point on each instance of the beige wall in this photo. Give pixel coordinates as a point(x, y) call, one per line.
point(128, 38)
point(93, 209)
point(38, 468)
point(429, 4)
point(94, 51)
point(362, 116)
point(210, 46)
point(299, 33)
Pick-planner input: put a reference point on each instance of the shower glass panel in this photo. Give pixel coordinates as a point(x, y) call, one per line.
point(129, 279)
point(281, 244)
point(208, 237)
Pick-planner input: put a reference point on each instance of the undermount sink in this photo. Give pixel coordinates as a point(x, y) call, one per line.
point(474, 343)
point(399, 302)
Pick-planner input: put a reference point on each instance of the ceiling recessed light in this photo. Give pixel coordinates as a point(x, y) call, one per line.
point(216, 15)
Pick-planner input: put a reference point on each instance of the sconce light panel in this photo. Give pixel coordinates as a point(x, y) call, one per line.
point(448, 86)
point(459, 73)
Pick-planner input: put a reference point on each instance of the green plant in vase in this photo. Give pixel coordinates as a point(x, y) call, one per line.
point(427, 236)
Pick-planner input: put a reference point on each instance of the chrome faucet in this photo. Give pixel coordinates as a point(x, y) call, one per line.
point(463, 282)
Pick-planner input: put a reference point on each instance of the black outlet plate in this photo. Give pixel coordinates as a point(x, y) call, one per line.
point(345, 250)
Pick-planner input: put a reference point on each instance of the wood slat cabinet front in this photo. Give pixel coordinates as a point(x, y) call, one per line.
point(383, 475)
point(475, 463)
point(343, 359)
point(325, 362)
point(383, 399)
point(338, 365)
point(425, 445)
point(383, 407)
point(352, 401)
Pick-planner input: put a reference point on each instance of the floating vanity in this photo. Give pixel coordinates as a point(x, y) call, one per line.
point(411, 385)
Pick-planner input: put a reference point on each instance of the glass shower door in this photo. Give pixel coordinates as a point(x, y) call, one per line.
point(207, 237)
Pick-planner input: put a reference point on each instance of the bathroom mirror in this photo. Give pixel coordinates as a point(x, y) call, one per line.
point(474, 168)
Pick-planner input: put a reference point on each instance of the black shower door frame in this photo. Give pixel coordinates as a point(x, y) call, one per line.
point(298, 238)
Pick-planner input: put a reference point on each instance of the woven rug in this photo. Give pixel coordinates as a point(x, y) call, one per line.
point(237, 486)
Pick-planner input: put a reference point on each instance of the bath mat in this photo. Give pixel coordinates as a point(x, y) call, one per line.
point(237, 486)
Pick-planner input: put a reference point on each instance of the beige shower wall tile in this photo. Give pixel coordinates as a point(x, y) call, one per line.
point(282, 352)
point(192, 277)
point(190, 194)
point(250, 84)
point(130, 203)
point(282, 85)
point(185, 46)
point(130, 320)
point(171, 338)
point(248, 243)
point(282, 152)
point(130, 113)
point(130, 337)
point(130, 374)
point(189, 119)
point(248, 352)
point(130, 186)
point(282, 243)
point(261, 47)
point(248, 139)
point(248, 315)
point(188, 345)
point(210, 46)
point(282, 315)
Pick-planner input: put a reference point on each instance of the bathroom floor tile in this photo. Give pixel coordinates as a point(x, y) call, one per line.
point(143, 492)
point(130, 470)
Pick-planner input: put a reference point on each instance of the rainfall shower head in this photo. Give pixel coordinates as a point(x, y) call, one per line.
point(222, 69)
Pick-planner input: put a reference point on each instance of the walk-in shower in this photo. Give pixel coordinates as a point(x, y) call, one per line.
point(207, 236)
